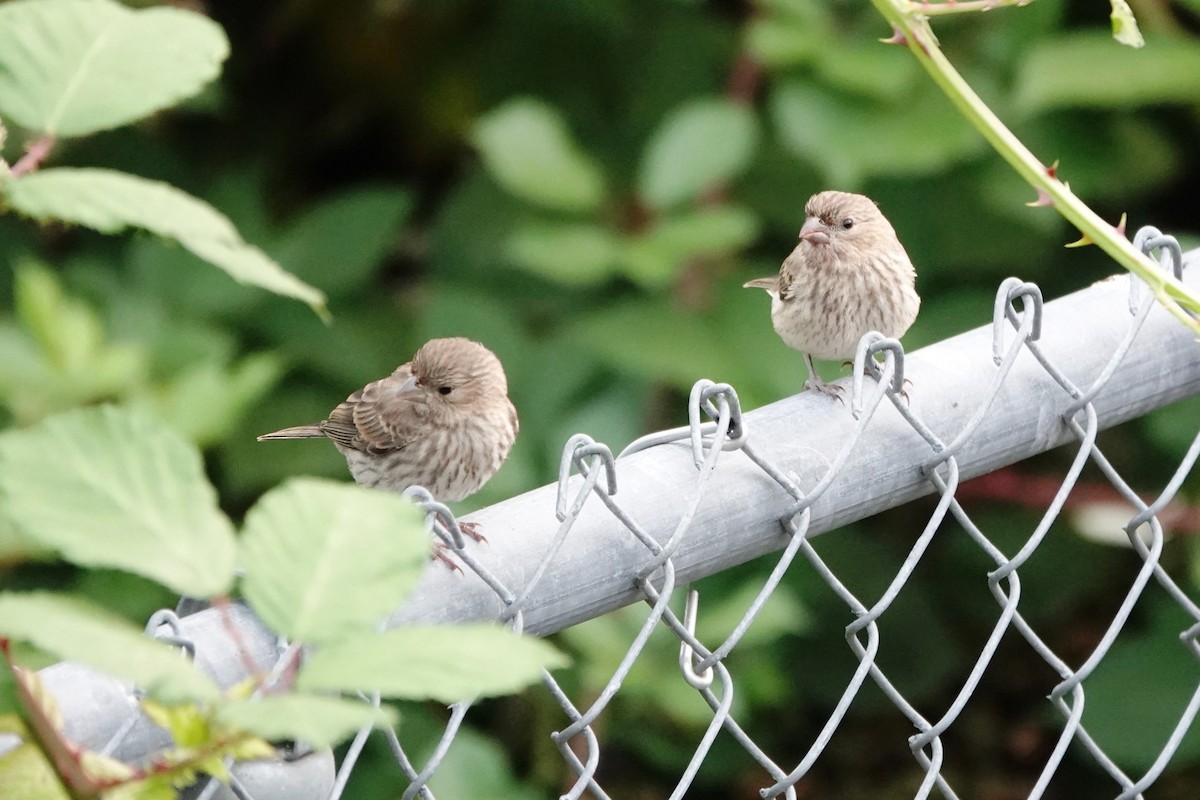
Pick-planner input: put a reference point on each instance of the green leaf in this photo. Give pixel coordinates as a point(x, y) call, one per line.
point(445, 663)
point(527, 148)
point(752, 357)
point(478, 766)
point(611, 409)
point(317, 720)
point(208, 399)
point(471, 226)
point(1171, 429)
point(867, 68)
point(325, 558)
point(1126, 157)
point(785, 614)
point(671, 346)
point(654, 258)
point(341, 243)
point(73, 630)
point(25, 771)
point(602, 642)
point(250, 467)
point(700, 144)
point(68, 332)
point(1124, 25)
point(110, 202)
point(14, 547)
point(70, 67)
point(1087, 70)
point(778, 41)
point(157, 788)
point(1149, 670)
point(849, 138)
point(188, 724)
point(123, 593)
point(108, 487)
point(575, 254)
point(60, 357)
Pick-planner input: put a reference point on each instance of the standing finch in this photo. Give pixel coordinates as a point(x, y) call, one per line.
point(849, 275)
point(442, 421)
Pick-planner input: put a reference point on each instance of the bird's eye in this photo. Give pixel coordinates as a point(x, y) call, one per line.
point(445, 389)
point(847, 223)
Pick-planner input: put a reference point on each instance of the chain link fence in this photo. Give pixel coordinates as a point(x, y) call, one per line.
point(731, 486)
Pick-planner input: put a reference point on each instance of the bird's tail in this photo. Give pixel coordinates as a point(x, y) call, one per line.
point(770, 283)
point(298, 432)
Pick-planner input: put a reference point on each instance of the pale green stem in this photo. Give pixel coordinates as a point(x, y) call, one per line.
point(909, 20)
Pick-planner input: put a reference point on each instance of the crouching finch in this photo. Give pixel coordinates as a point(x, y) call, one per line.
point(442, 421)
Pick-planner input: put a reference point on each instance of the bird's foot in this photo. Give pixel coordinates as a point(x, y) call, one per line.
point(472, 529)
point(441, 552)
point(819, 386)
point(867, 372)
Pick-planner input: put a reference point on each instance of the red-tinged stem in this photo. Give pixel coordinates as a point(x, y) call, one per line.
point(222, 605)
point(35, 154)
point(49, 739)
point(745, 78)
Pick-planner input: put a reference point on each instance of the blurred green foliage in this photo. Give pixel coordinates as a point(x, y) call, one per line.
point(584, 187)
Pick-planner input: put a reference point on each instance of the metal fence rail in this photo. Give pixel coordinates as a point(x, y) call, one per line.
point(732, 486)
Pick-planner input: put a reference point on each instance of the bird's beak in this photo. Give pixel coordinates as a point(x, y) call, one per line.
point(409, 385)
point(770, 284)
point(814, 232)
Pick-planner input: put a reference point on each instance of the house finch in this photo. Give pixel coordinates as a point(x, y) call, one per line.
point(442, 421)
point(848, 275)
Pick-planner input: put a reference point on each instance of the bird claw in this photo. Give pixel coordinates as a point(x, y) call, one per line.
point(828, 389)
point(868, 373)
point(472, 529)
point(441, 552)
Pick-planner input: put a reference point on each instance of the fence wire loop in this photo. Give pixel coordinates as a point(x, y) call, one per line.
point(1170, 260)
point(167, 617)
point(1148, 239)
point(687, 656)
point(585, 454)
point(438, 516)
point(870, 345)
point(1012, 289)
point(726, 412)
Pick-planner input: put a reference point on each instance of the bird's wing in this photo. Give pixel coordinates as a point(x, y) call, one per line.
point(789, 272)
point(340, 425)
point(378, 417)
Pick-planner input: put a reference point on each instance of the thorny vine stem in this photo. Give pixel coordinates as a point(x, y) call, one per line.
point(910, 21)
